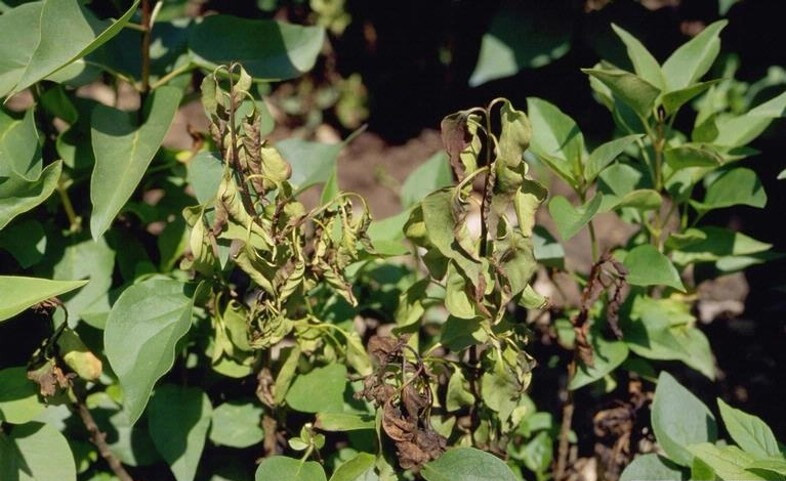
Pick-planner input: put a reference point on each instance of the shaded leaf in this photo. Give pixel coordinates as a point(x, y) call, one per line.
point(604, 154)
point(636, 92)
point(643, 62)
point(236, 423)
point(355, 468)
point(312, 162)
point(178, 419)
point(18, 195)
point(36, 452)
point(344, 421)
point(727, 462)
point(320, 390)
point(432, 175)
point(18, 396)
point(740, 186)
point(268, 49)
point(556, 140)
point(652, 467)
point(606, 356)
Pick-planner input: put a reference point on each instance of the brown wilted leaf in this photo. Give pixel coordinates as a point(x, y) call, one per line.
point(50, 378)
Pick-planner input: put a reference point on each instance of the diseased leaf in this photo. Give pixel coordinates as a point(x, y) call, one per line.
point(19, 293)
point(467, 464)
point(748, 431)
point(679, 420)
point(39, 38)
point(146, 322)
point(648, 267)
point(269, 50)
point(694, 58)
point(178, 419)
point(123, 151)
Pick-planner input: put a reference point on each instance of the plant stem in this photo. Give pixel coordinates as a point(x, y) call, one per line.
point(99, 439)
point(564, 431)
point(74, 220)
point(146, 38)
point(174, 73)
point(593, 241)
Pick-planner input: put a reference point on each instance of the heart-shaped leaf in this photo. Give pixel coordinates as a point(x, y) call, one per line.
point(282, 468)
point(467, 464)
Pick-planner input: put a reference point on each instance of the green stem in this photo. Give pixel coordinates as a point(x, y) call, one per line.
point(174, 73)
point(74, 220)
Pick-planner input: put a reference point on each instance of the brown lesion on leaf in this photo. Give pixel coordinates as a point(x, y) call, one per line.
point(401, 387)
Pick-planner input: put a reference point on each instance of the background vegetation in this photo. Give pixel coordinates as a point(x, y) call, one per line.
point(277, 240)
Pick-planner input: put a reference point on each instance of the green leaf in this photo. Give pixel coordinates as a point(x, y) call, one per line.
point(653, 467)
point(123, 152)
point(460, 333)
point(146, 322)
point(714, 243)
point(694, 58)
point(458, 394)
point(648, 267)
point(679, 420)
point(236, 423)
point(664, 329)
point(178, 419)
point(35, 452)
point(740, 186)
point(748, 431)
point(432, 175)
point(692, 155)
point(355, 468)
point(644, 64)
point(268, 49)
point(556, 139)
point(634, 91)
point(25, 240)
point(18, 396)
point(467, 464)
point(18, 293)
point(18, 195)
point(570, 220)
point(281, 468)
point(742, 129)
point(20, 151)
point(320, 390)
point(728, 462)
point(604, 154)
point(522, 36)
point(40, 38)
point(606, 356)
point(774, 464)
point(312, 162)
point(204, 174)
point(675, 99)
point(87, 259)
point(344, 422)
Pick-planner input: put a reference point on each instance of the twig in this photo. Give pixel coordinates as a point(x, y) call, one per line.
point(99, 439)
point(146, 38)
point(564, 431)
